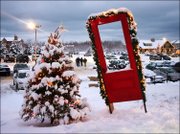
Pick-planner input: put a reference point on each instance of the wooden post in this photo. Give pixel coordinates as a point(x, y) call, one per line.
point(111, 108)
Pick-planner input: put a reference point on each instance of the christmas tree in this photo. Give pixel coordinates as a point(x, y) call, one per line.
point(53, 88)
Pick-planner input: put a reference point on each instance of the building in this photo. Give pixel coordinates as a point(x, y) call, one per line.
point(176, 44)
point(11, 46)
point(153, 46)
point(8, 41)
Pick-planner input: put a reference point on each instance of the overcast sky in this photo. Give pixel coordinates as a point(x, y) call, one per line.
point(156, 19)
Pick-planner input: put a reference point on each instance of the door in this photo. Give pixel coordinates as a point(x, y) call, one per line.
point(121, 84)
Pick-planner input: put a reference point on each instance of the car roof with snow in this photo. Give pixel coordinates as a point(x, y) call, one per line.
point(23, 71)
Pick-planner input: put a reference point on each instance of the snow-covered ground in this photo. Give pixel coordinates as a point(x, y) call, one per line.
point(128, 117)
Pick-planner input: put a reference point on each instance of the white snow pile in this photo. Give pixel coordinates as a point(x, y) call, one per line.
point(68, 73)
point(128, 117)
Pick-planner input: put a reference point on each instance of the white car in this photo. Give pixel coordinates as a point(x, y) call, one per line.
point(148, 73)
point(158, 79)
point(152, 77)
point(20, 79)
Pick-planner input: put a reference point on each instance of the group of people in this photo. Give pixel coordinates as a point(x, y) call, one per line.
point(81, 62)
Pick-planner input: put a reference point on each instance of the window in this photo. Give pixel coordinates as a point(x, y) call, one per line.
point(147, 44)
point(114, 46)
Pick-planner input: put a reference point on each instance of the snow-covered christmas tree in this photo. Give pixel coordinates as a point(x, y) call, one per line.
point(53, 88)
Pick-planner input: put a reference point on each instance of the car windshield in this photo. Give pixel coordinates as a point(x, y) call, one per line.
point(1, 66)
point(21, 66)
point(21, 75)
point(169, 70)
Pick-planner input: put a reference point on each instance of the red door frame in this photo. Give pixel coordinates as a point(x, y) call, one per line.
point(122, 85)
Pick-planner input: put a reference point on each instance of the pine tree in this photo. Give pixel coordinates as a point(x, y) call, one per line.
point(15, 49)
point(53, 87)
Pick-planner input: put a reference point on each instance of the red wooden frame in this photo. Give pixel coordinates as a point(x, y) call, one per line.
point(120, 85)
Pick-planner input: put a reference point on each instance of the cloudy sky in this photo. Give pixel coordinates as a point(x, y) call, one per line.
point(155, 19)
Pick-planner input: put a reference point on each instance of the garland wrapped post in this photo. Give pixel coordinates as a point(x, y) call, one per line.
point(132, 26)
point(98, 69)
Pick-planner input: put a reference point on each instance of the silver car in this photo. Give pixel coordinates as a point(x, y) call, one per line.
point(20, 79)
point(169, 73)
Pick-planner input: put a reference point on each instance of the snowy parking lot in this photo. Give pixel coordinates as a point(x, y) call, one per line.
point(128, 117)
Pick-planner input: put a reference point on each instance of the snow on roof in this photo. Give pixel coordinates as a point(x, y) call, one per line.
point(23, 71)
point(175, 41)
point(7, 38)
point(148, 44)
point(10, 38)
point(115, 11)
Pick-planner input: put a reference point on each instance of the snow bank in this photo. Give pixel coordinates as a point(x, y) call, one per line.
point(128, 117)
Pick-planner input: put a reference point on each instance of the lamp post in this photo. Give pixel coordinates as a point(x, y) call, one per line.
point(34, 27)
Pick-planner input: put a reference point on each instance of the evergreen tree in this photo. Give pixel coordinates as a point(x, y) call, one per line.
point(53, 87)
point(15, 49)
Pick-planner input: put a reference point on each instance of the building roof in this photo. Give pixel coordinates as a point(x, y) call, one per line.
point(148, 44)
point(175, 42)
point(10, 38)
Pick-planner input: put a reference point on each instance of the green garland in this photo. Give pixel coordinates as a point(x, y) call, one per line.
point(134, 40)
point(99, 71)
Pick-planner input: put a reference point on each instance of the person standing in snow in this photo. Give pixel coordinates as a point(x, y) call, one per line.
point(85, 61)
point(81, 61)
point(77, 61)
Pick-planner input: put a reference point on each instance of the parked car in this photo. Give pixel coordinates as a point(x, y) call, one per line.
point(157, 79)
point(168, 63)
point(168, 73)
point(110, 57)
point(4, 70)
point(116, 65)
point(177, 67)
point(124, 56)
point(20, 66)
point(9, 58)
point(155, 57)
point(20, 79)
point(21, 58)
point(148, 73)
point(154, 65)
point(164, 57)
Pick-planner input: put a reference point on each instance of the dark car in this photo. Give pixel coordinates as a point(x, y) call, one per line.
point(116, 65)
point(4, 70)
point(21, 58)
point(169, 73)
point(155, 57)
point(164, 57)
point(9, 58)
point(154, 65)
point(168, 63)
point(124, 56)
point(20, 66)
point(109, 57)
point(177, 67)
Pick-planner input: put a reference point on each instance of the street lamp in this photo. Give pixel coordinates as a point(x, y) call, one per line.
point(34, 27)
